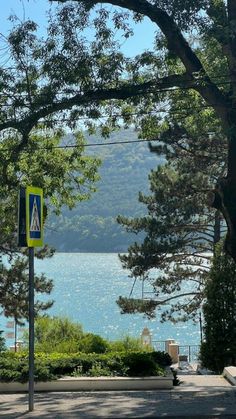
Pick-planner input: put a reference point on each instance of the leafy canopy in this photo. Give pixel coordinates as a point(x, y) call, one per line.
point(32, 152)
point(175, 61)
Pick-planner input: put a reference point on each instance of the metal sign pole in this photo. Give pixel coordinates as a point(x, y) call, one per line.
point(31, 329)
point(30, 234)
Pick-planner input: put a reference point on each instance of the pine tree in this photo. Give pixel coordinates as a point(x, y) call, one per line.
point(173, 258)
point(14, 291)
point(219, 347)
point(179, 232)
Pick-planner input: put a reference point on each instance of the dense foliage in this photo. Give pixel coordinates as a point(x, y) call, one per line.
point(66, 77)
point(219, 347)
point(14, 291)
point(58, 334)
point(137, 87)
point(66, 178)
point(2, 342)
point(63, 348)
point(14, 367)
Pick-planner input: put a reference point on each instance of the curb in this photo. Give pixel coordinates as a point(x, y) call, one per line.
point(230, 374)
point(92, 383)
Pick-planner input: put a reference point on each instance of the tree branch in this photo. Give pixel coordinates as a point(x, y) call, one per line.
point(125, 91)
point(166, 300)
point(185, 294)
point(176, 43)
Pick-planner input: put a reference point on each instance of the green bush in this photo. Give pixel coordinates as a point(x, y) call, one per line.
point(56, 334)
point(127, 344)
point(162, 358)
point(14, 367)
point(141, 364)
point(90, 343)
point(59, 334)
point(2, 342)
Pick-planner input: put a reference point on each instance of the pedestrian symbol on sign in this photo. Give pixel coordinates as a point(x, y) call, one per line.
point(34, 216)
point(35, 223)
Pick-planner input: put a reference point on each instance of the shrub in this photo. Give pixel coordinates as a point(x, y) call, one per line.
point(14, 367)
point(162, 358)
point(127, 344)
point(2, 342)
point(57, 334)
point(90, 343)
point(141, 364)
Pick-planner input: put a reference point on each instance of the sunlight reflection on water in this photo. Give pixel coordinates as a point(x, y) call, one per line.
point(86, 287)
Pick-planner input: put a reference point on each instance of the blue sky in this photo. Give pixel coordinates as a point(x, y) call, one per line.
point(36, 9)
point(24, 9)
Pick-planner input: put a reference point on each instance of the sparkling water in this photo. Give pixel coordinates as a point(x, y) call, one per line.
point(86, 287)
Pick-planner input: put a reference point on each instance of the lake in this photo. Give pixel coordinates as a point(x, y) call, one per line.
point(86, 287)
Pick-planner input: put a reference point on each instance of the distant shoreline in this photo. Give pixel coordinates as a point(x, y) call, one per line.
point(91, 252)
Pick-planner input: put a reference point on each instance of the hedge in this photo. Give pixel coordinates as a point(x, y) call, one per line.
point(14, 367)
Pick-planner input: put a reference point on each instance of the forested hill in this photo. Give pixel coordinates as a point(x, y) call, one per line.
point(92, 226)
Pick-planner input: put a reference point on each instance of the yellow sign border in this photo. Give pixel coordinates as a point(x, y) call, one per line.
point(31, 190)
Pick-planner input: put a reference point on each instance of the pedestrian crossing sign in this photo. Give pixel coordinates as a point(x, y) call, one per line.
point(34, 216)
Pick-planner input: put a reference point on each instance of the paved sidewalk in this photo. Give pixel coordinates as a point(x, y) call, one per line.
point(197, 397)
point(200, 382)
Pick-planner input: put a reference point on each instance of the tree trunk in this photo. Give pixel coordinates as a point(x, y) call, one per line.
point(217, 227)
point(225, 191)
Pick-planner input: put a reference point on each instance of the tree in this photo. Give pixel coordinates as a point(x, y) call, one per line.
point(68, 74)
point(219, 346)
point(151, 80)
point(180, 230)
point(145, 79)
point(179, 239)
point(66, 176)
point(34, 155)
point(14, 291)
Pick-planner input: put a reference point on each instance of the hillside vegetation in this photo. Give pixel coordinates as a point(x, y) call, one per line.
point(92, 226)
